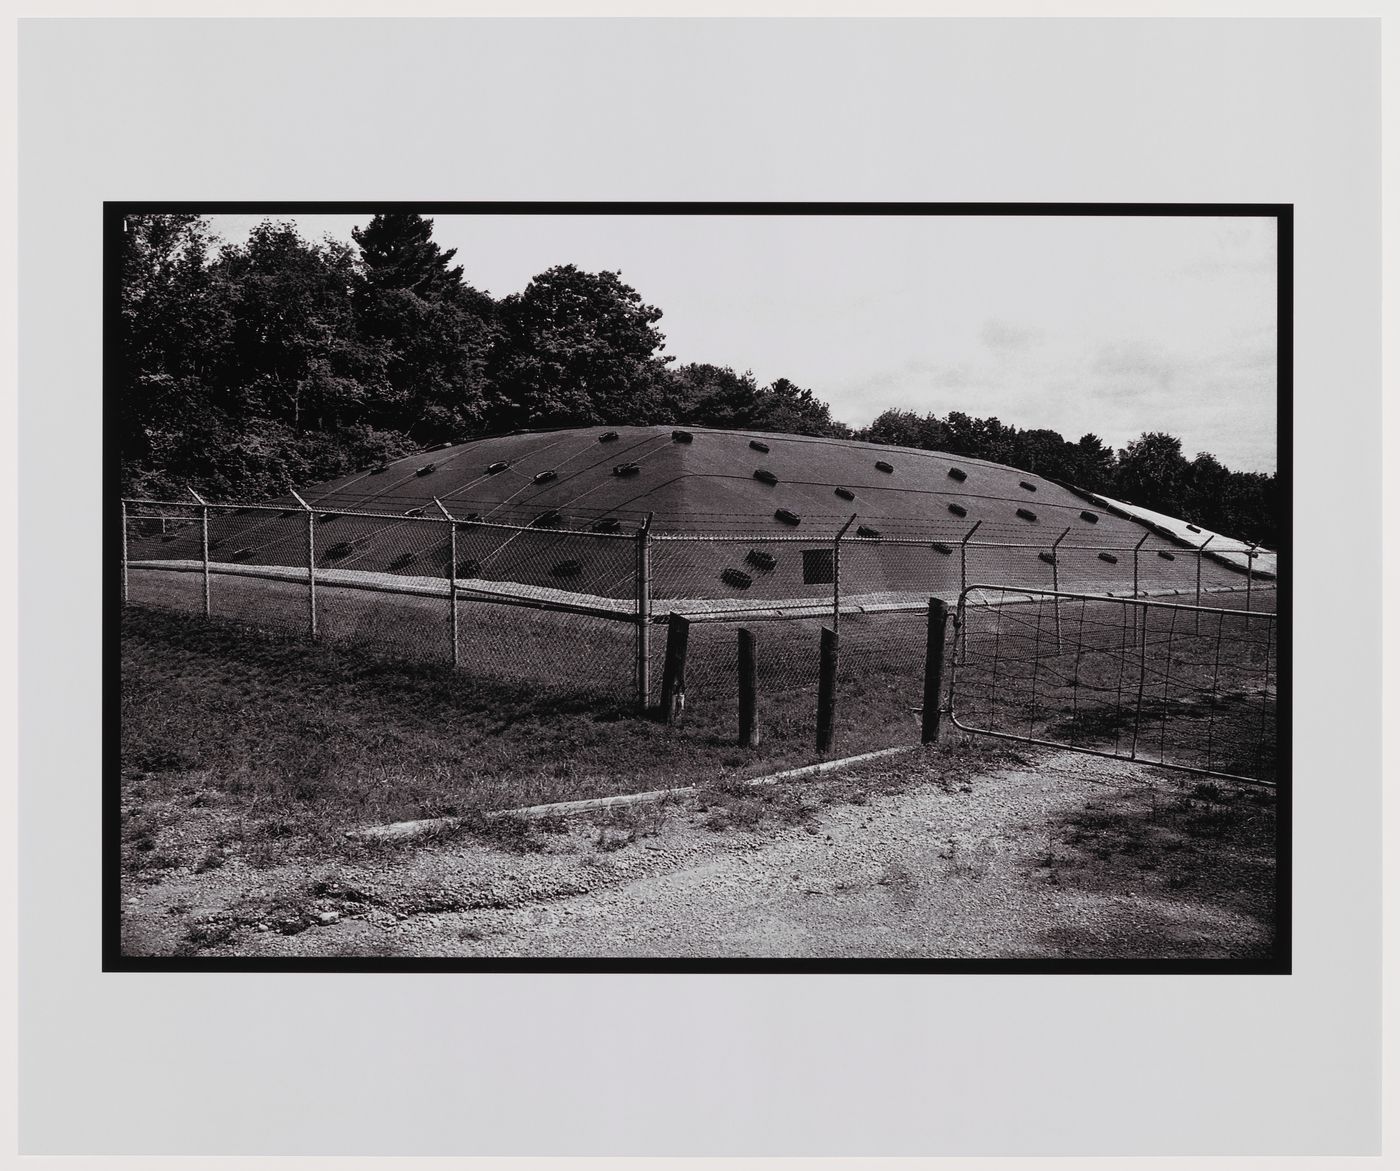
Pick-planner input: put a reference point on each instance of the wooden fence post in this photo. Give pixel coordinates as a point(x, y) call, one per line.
point(673, 670)
point(933, 669)
point(749, 734)
point(826, 691)
point(643, 583)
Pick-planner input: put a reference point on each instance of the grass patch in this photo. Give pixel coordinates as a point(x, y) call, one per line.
point(951, 766)
point(731, 804)
point(1200, 840)
point(274, 747)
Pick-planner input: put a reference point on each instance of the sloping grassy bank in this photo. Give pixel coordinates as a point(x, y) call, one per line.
point(233, 738)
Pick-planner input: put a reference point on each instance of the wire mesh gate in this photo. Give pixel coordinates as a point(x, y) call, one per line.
point(1184, 687)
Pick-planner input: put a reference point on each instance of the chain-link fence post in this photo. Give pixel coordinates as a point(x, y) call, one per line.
point(203, 547)
point(204, 556)
point(1135, 577)
point(451, 581)
point(962, 569)
point(643, 582)
point(1140, 645)
point(1249, 578)
point(310, 563)
point(1200, 553)
point(1055, 583)
point(126, 588)
point(836, 575)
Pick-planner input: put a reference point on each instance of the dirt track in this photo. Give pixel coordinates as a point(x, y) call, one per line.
point(1065, 856)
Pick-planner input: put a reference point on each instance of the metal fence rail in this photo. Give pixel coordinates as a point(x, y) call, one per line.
point(1181, 686)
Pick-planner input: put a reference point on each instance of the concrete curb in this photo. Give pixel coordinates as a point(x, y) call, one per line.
point(405, 831)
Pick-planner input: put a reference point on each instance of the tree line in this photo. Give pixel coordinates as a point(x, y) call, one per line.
point(1151, 471)
point(248, 369)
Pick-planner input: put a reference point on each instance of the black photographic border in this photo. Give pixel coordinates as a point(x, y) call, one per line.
point(1278, 962)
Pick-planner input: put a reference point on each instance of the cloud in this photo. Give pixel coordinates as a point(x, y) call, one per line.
point(1006, 337)
point(1219, 400)
point(1131, 369)
point(916, 385)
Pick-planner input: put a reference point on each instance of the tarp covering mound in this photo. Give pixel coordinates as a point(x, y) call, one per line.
point(1217, 545)
point(735, 516)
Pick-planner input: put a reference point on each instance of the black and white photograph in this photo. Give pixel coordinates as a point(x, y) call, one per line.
point(766, 586)
point(717, 587)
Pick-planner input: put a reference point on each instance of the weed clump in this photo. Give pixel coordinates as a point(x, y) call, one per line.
point(731, 804)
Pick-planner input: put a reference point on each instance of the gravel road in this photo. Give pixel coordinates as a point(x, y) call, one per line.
point(1063, 855)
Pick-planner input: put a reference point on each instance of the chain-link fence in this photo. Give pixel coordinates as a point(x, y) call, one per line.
point(529, 604)
point(547, 605)
point(872, 589)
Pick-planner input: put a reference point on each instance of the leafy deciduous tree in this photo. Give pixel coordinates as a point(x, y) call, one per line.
point(576, 348)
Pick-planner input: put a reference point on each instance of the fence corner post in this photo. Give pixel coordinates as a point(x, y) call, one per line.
point(933, 669)
point(826, 691)
point(673, 670)
point(750, 735)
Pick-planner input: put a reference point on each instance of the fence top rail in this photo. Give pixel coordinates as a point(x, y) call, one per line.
point(1145, 603)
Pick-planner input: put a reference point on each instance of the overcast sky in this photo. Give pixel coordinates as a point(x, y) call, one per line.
point(1114, 325)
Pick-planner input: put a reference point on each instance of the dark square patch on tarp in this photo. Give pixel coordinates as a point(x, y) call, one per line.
point(818, 567)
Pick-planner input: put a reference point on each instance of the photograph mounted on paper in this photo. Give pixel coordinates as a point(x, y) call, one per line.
point(810, 587)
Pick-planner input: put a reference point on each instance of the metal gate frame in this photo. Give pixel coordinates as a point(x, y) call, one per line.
point(1022, 595)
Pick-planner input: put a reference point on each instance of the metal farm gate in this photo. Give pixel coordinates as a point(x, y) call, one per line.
point(1180, 686)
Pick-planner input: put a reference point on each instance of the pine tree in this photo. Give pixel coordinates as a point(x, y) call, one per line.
point(435, 329)
point(399, 253)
